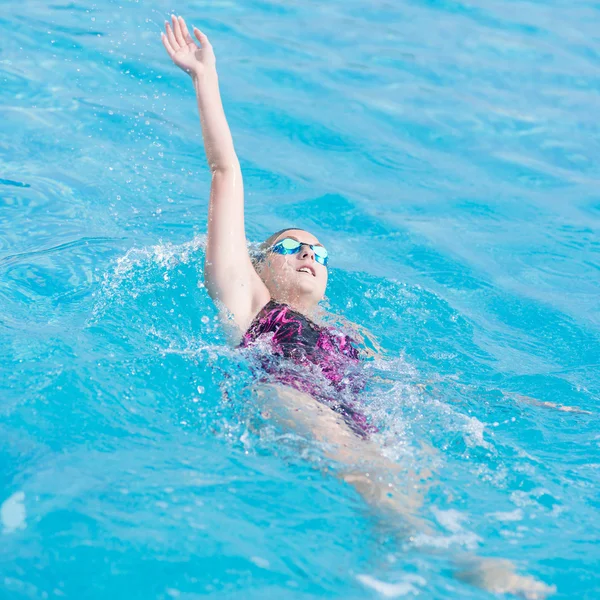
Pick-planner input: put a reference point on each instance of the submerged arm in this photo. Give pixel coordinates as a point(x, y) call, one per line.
point(229, 274)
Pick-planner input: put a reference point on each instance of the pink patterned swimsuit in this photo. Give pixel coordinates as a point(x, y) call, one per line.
point(316, 360)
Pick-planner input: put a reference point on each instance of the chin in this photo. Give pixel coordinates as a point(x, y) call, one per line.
point(305, 290)
point(305, 284)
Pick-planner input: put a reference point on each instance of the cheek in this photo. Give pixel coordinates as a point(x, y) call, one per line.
point(324, 277)
point(278, 267)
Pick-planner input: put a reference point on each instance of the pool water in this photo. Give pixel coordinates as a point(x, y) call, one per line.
point(445, 152)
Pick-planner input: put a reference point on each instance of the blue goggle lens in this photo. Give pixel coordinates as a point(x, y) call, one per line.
point(291, 246)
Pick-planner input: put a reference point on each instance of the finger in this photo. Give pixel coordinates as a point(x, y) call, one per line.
point(201, 37)
point(171, 37)
point(177, 31)
point(184, 30)
point(167, 46)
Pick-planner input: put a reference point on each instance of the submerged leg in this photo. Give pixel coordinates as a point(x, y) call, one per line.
point(381, 482)
point(498, 576)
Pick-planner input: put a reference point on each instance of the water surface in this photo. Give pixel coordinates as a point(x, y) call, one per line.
point(445, 152)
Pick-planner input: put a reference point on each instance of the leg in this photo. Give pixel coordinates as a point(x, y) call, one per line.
point(498, 576)
point(377, 480)
point(362, 463)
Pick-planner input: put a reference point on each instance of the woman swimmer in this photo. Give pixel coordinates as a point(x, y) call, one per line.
point(274, 298)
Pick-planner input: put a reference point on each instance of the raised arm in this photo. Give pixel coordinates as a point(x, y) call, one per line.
point(228, 271)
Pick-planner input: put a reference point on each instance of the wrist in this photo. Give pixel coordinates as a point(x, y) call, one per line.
point(204, 74)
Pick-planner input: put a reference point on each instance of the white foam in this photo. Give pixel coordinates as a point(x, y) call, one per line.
point(263, 563)
point(13, 513)
point(474, 430)
point(514, 515)
point(393, 590)
point(164, 254)
point(449, 519)
point(465, 539)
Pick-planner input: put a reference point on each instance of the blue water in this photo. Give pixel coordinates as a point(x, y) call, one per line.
point(447, 154)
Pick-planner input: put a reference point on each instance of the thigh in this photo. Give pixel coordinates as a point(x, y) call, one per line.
point(360, 462)
point(301, 413)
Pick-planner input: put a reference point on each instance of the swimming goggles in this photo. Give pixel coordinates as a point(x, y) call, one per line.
point(292, 246)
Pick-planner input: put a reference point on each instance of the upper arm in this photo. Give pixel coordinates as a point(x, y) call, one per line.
point(228, 271)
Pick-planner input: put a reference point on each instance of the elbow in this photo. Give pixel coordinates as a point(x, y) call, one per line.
point(225, 167)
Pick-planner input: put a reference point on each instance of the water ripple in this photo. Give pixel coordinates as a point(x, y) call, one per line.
point(446, 154)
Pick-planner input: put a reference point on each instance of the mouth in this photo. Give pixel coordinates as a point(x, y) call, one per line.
point(306, 269)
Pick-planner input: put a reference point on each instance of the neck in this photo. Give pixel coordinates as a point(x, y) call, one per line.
point(305, 306)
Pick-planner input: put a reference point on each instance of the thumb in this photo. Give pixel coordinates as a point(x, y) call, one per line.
point(201, 37)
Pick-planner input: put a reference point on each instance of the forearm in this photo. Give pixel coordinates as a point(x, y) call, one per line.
point(218, 142)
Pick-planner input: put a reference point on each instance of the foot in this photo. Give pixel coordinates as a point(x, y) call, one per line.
point(498, 576)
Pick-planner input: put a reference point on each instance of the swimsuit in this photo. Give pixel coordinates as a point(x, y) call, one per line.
point(319, 361)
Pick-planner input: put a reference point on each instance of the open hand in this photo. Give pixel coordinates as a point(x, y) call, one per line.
point(186, 54)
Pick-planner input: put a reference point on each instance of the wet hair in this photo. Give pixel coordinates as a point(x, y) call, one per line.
point(258, 255)
point(271, 239)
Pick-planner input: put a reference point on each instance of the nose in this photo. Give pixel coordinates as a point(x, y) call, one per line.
point(306, 252)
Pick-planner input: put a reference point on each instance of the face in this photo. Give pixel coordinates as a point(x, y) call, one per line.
point(295, 277)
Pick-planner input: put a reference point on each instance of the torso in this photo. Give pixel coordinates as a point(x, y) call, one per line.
point(295, 336)
point(315, 349)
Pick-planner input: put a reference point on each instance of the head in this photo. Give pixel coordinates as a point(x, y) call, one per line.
point(297, 279)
